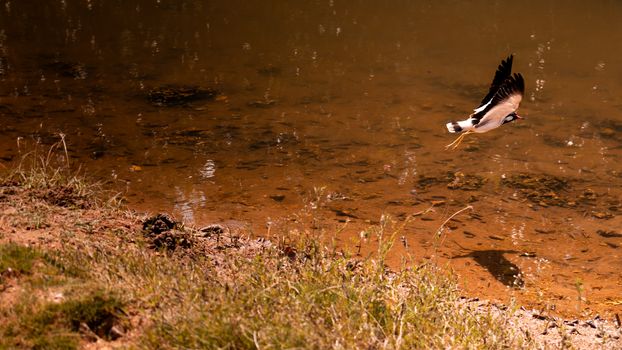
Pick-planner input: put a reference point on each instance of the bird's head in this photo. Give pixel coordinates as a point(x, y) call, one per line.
point(511, 117)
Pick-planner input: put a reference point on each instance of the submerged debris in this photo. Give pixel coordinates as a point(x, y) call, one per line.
point(542, 189)
point(547, 190)
point(267, 103)
point(426, 181)
point(269, 71)
point(277, 197)
point(460, 181)
point(588, 196)
point(73, 70)
point(344, 212)
point(609, 234)
point(536, 182)
point(174, 95)
point(602, 214)
point(454, 181)
point(610, 129)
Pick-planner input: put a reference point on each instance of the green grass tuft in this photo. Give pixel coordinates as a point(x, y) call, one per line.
point(98, 311)
point(61, 325)
point(17, 258)
point(35, 320)
point(323, 302)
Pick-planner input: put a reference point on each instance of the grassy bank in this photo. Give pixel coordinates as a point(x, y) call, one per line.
point(76, 272)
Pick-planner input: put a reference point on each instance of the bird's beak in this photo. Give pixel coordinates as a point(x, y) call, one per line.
point(519, 117)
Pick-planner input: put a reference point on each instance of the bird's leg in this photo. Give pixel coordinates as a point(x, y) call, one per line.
point(458, 140)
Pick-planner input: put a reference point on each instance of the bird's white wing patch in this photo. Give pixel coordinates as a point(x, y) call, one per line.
point(482, 107)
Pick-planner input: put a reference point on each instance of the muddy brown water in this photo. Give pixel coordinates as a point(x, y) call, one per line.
point(329, 116)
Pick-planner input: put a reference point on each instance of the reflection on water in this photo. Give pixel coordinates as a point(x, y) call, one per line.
point(208, 170)
point(328, 115)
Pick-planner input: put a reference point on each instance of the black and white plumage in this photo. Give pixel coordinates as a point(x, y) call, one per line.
point(498, 107)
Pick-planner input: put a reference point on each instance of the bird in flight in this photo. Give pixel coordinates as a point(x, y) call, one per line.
point(497, 108)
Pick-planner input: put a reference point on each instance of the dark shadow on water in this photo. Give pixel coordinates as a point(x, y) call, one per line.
point(499, 267)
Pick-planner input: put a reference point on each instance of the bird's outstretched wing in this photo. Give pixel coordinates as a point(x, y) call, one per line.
point(503, 72)
point(513, 87)
point(505, 101)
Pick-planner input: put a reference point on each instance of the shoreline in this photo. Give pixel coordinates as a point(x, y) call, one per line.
point(60, 221)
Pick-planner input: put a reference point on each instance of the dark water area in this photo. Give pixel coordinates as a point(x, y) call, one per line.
point(329, 116)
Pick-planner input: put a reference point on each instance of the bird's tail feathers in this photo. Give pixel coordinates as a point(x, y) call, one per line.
point(460, 126)
point(454, 127)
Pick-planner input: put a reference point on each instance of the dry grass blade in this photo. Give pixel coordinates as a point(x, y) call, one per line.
point(439, 232)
